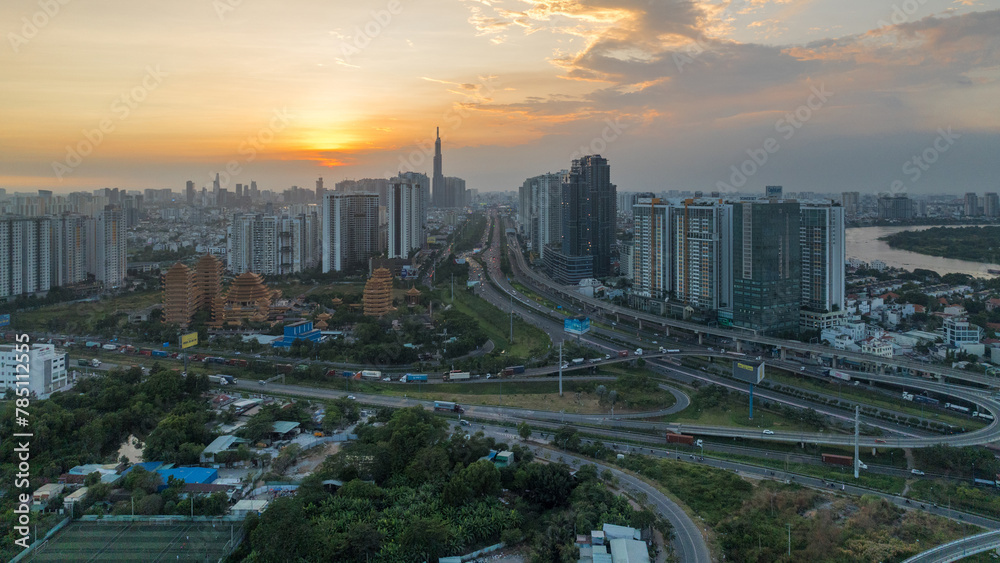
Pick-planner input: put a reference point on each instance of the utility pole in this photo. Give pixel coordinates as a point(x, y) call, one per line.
point(512, 319)
point(857, 422)
point(453, 287)
point(789, 539)
point(560, 368)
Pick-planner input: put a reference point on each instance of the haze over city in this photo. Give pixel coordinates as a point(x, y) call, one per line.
point(675, 95)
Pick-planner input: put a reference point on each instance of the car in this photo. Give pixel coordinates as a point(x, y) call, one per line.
point(352, 397)
point(488, 376)
point(465, 423)
point(261, 381)
point(917, 472)
point(386, 379)
point(769, 432)
point(879, 441)
point(607, 356)
point(803, 368)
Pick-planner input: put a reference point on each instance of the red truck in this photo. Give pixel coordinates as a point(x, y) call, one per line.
point(623, 354)
point(839, 459)
point(680, 439)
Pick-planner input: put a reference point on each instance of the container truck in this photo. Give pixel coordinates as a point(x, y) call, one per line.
point(578, 361)
point(283, 368)
point(457, 375)
point(983, 416)
point(110, 347)
point(958, 408)
point(673, 438)
point(160, 354)
point(411, 377)
point(93, 344)
point(83, 363)
point(839, 459)
point(840, 375)
point(513, 370)
point(445, 406)
point(371, 375)
point(925, 400)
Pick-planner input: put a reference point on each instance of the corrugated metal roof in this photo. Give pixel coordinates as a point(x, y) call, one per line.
point(629, 551)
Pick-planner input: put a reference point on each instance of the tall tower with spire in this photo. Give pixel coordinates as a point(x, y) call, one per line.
point(437, 183)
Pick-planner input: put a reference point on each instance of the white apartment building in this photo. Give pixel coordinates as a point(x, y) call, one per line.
point(406, 224)
point(46, 369)
point(350, 230)
point(25, 255)
point(106, 247)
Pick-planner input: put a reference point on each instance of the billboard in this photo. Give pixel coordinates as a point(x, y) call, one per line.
point(577, 325)
point(4, 320)
point(188, 340)
point(773, 192)
point(748, 372)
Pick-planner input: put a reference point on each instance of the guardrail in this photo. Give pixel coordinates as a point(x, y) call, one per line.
point(953, 551)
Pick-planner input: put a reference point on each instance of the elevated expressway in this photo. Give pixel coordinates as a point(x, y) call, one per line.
point(546, 285)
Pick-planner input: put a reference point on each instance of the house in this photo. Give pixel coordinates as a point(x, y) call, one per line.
point(504, 459)
point(75, 496)
point(221, 444)
point(284, 430)
point(45, 492)
point(246, 506)
point(188, 475)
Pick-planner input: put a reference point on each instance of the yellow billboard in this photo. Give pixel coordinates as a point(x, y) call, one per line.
point(188, 340)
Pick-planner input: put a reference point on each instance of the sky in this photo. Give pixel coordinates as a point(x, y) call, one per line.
point(877, 96)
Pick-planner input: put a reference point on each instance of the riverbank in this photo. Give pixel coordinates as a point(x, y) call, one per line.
point(973, 244)
point(865, 244)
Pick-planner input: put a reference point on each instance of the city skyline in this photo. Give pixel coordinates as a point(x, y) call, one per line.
point(817, 96)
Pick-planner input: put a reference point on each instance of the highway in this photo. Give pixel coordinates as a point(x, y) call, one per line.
point(547, 285)
point(959, 549)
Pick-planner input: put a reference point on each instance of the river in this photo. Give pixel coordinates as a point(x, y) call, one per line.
point(863, 244)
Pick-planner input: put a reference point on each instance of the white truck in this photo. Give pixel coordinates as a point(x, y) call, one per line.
point(457, 375)
point(578, 361)
point(371, 375)
point(638, 351)
point(95, 363)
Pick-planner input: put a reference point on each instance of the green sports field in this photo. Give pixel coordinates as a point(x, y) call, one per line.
point(138, 541)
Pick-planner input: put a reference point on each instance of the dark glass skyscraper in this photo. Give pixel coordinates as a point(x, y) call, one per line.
point(589, 215)
point(437, 187)
point(766, 266)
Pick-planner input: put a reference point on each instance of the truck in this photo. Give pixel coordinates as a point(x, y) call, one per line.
point(95, 363)
point(283, 368)
point(845, 460)
point(371, 375)
point(237, 362)
point(411, 377)
point(983, 416)
point(840, 375)
point(213, 360)
point(925, 400)
point(457, 375)
point(222, 379)
point(907, 396)
point(578, 361)
point(109, 347)
point(638, 351)
point(623, 353)
point(512, 370)
point(445, 406)
point(146, 352)
point(160, 354)
point(83, 363)
point(93, 344)
point(958, 408)
point(673, 438)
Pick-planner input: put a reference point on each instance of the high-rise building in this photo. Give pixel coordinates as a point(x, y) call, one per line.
point(273, 245)
point(991, 204)
point(69, 249)
point(350, 230)
point(189, 192)
point(823, 248)
point(25, 255)
point(972, 208)
point(455, 192)
point(106, 247)
point(650, 251)
point(422, 184)
point(766, 266)
point(589, 212)
point(320, 190)
point(895, 208)
point(438, 187)
point(540, 212)
point(851, 202)
point(701, 254)
point(406, 226)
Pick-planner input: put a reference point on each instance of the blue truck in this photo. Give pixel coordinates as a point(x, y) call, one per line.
point(160, 354)
point(411, 377)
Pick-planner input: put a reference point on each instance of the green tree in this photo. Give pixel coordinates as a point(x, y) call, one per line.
point(427, 536)
point(524, 430)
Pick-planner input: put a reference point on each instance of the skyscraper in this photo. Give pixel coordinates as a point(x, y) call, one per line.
point(189, 192)
point(701, 254)
point(106, 246)
point(972, 208)
point(320, 190)
point(69, 249)
point(851, 202)
point(25, 255)
point(438, 187)
point(821, 240)
point(650, 253)
point(273, 244)
point(991, 204)
point(540, 211)
point(350, 230)
point(766, 266)
point(590, 212)
point(895, 208)
point(405, 223)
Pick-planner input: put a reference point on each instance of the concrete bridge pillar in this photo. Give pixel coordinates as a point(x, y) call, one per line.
point(666, 331)
point(784, 354)
point(739, 346)
point(640, 323)
point(701, 338)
